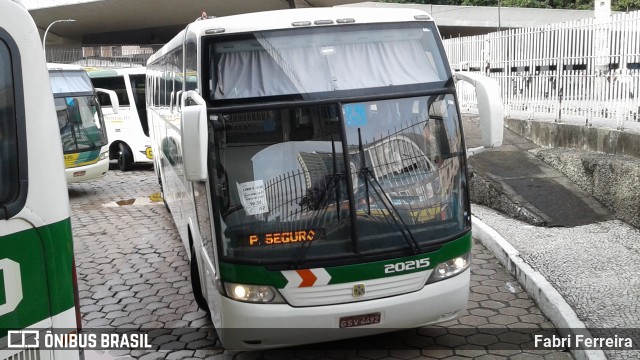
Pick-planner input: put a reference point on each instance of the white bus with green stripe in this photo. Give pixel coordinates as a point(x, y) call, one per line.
point(37, 276)
point(81, 124)
point(314, 163)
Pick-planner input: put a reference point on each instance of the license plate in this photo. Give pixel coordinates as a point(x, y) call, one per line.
point(359, 320)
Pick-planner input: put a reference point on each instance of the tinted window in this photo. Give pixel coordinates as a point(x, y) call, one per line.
point(116, 84)
point(284, 180)
point(277, 63)
point(8, 136)
point(137, 86)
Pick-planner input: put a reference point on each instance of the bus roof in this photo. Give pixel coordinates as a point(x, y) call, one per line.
point(56, 66)
point(69, 79)
point(285, 19)
point(109, 72)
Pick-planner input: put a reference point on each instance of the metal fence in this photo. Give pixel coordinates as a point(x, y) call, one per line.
point(587, 69)
point(103, 55)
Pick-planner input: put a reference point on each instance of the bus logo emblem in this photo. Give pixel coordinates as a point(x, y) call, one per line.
point(358, 290)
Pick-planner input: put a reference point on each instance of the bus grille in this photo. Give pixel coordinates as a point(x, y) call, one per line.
point(344, 293)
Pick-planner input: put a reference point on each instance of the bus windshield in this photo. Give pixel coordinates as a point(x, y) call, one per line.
point(310, 62)
point(80, 119)
point(81, 123)
point(333, 181)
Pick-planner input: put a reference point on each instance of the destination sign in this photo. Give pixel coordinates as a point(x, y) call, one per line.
point(286, 237)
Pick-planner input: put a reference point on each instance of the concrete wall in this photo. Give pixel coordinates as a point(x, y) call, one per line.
point(603, 162)
point(550, 134)
point(612, 179)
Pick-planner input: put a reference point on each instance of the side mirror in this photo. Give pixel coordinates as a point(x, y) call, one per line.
point(113, 98)
point(194, 136)
point(490, 108)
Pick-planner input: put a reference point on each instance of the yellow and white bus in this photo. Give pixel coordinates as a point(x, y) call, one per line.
point(81, 123)
point(37, 274)
point(314, 163)
point(126, 119)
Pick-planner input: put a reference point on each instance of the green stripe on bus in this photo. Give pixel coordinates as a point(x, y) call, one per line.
point(45, 258)
point(259, 275)
point(251, 275)
point(375, 270)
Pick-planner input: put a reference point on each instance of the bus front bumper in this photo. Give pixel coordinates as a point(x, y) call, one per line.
point(260, 326)
point(88, 172)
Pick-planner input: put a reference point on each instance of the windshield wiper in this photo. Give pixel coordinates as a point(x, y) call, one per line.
point(391, 209)
point(81, 128)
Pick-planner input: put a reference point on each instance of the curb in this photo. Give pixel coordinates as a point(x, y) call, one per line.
point(536, 285)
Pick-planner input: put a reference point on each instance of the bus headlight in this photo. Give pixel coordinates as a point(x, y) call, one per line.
point(253, 293)
point(104, 155)
point(450, 268)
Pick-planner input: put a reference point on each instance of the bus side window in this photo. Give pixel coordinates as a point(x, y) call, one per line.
point(9, 163)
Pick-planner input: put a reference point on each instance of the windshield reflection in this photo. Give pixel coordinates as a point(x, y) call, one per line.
point(401, 187)
point(80, 122)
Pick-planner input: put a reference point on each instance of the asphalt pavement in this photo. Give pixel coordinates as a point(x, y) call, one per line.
point(553, 232)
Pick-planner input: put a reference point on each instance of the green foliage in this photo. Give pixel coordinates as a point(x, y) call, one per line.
point(523, 3)
point(616, 5)
point(625, 5)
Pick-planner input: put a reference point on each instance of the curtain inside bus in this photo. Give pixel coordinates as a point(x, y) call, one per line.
point(70, 82)
point(312, 61)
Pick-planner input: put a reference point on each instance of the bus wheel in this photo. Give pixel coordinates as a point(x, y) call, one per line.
point(125, 158)
point(195, 283)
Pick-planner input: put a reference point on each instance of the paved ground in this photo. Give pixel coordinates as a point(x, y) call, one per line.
point(133, 273)
point(583, 264)
point(580, 252)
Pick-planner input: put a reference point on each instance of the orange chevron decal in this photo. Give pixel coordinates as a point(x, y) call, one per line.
point(308, 278)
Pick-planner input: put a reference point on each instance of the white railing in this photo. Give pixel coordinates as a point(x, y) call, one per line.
point(116, 56)
point(580, 70)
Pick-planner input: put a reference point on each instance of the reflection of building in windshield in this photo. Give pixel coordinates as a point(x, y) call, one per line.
point(398, 165)
point(396, 154)
point(316, 166)
point(412, 164)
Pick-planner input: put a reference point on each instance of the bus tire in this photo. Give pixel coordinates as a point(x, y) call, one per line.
point(125, 158)
point(195, 283)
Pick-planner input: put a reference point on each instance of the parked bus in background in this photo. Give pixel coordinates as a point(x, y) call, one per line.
point(82, 128)
point(314, 163)
point(38, 288)
point(127, 127)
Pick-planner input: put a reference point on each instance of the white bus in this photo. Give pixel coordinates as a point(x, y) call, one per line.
point(37, 274)
point(314, 163)
point(81, 123)
point(127, 126)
